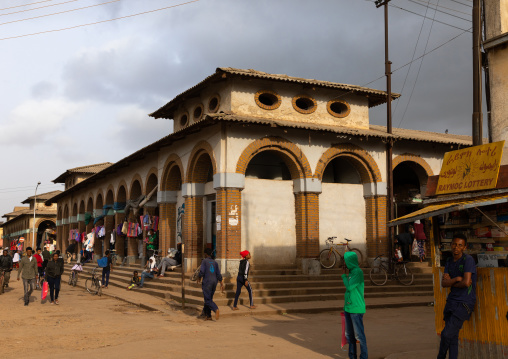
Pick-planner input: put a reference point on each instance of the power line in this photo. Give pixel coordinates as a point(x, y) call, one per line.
point(37, 8)
point(412, 58)
point(419, 2)
point(441, 22)
point(458, 2)
point(418, 73)
point(12, 7)
point(59, 13)
point(97, 22)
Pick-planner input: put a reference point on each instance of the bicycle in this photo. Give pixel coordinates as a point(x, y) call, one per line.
point(195, 276)
point(73, 275)
point(328, 256)
point(379, 275)
point(93, 284)
point(114, 256)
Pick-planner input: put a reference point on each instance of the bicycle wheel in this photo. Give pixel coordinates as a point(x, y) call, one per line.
point(195, 276)
point(2, 283)
point(359, 254)
point(70, 279)
point(90, 286)
point(74, 279)
point(404, 275)
point(327, 258)
point(378, 275)
point(98, 284)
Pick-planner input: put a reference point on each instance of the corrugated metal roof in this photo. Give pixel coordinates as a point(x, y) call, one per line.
point(427, 136)
point(83, 169)
point(30, 212)
point(44, 196)
point(376, 97)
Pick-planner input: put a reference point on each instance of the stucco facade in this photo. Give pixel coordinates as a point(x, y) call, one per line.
point(264, 176)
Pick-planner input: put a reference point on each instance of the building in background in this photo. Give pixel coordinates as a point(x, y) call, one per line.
point(269, 163)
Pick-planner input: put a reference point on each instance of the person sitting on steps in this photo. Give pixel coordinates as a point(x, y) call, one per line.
point(173, 259)
point(149, 272)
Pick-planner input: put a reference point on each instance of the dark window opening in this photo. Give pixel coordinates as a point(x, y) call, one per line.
point(340, 170)
point(268, 165)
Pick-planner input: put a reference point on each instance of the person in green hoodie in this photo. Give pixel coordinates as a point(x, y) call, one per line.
point(354, 305)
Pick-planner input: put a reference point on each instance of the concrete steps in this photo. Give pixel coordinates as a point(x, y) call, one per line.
point(277, 286)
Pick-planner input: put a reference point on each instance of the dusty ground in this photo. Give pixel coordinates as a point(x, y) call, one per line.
point(86, 326)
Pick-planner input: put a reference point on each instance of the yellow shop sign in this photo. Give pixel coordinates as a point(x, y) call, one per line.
point(470, 169)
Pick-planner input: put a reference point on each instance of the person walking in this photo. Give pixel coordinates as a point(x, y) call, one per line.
point(54, 271)
point(460, 276)
point(15, 259)
point(107, 270)
point(405, 240)
point(354, 305)
point(46, 256)
point(243, 280)
point(28, 271)
point(6, 267)
point(210, 274)
point(38, 258)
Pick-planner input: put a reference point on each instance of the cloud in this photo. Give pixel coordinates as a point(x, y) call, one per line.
point(34, 122)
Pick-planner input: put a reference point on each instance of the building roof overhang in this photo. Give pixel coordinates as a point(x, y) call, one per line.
point(375, 97)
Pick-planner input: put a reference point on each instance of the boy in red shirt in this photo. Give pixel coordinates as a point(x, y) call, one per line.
point(38, 258)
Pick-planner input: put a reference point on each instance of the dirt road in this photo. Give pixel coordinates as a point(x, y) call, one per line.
point(86, 326)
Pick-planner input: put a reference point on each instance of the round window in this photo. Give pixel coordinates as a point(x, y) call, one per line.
point(338, 108)
point(267, 100)
point(213, 104)
point(184, 119)
point(198, 112)
point(304, 104)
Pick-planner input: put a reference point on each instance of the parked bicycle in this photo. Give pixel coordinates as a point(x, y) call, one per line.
point(73, 275)
point(330, 256)
point(379, 274)
point(114, 256)
point(93, 284)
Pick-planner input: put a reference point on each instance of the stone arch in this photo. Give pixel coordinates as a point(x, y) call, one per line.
point(89, 204)
point(82, 207)
point(121, 193)
point(136, 187)
point(149, 185)
point(295, 159)
point(99, 200)
point(197, 159)
point(363, 162)
point(38, 223)
point(110, 196)
point(409, 157)
point(59, 213)
point(173, 175)
point(75, 209)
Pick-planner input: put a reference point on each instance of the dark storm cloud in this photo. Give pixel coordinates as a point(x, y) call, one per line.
point(327, 40)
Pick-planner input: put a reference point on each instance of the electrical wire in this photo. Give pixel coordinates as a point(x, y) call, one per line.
point(458, 2)
point(59, 13)
point(426, 3)
point(412, 58)
point(441, 22)
point(418, 73)
point(37, 8)
point(97, 22)
point(32, 3)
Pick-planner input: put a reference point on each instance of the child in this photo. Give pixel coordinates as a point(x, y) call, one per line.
point(16, 259)
point(242, 279)
point(354, 305)
point(210, 273)
point(134, 280)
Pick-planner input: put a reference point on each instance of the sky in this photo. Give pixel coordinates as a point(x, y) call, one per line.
point(79, 91)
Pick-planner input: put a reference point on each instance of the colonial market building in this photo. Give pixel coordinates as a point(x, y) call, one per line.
point(20, 222)
point(269, 163)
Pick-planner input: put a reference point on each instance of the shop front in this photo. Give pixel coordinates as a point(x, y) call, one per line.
point(482, 216)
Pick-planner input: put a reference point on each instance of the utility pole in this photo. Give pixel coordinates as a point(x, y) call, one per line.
point(477, 75)
point(389, 130)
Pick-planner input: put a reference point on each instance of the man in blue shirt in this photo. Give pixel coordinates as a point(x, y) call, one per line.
point(460, 276)
point(210, 274)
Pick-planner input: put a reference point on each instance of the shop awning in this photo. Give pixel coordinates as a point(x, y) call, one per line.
point(437, 209)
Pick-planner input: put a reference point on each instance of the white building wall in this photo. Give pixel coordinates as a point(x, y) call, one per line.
point(342, 214)
point(268, 221)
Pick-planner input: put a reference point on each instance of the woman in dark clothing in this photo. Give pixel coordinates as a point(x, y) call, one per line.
point(54, 271)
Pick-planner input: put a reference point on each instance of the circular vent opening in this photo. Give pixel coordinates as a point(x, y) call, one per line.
point(304, 104)
point(198, 113)
point(213, 104)
point(338, 108)
point(267, 100)
point(184, 119)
